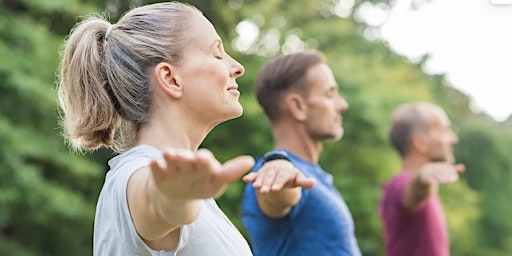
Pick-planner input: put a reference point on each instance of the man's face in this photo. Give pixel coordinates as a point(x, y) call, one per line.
point(324, 105)
point(441, 139)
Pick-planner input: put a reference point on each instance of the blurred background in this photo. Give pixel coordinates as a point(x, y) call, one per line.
point(48, 193)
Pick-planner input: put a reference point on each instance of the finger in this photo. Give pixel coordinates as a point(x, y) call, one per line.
point(235, 168)
point(182, 160)
point(262, 179)
point(206, 161)
point(304, 182)
point(460, 168)
point(157, 170)
point(250, 177)
point(456, 170)
point(204, 152)
point(452, 177)
point(171, 160)
point(270, 180)
point(258, 180)
point(284, 178)
point(261, 176)
point(447, 175)
point(154, 165)
point(185, 155)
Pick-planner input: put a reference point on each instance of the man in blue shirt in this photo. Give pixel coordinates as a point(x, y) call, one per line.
point(297, 210)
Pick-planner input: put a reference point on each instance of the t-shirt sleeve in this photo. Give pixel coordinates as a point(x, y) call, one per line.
point(397, 193)
point(395, 190)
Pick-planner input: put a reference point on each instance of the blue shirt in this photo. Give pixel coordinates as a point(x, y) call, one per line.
point(320, 224)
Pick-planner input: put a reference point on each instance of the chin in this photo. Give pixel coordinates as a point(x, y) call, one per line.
point(339, 134)
point(333, 136)
point(236, 112)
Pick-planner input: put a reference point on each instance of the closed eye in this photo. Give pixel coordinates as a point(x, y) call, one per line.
point(216, 50)
point(332, 92)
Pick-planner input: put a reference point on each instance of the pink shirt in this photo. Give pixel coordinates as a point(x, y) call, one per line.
point(421, 232)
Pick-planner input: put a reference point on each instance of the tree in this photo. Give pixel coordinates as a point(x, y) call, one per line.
point(46, 194)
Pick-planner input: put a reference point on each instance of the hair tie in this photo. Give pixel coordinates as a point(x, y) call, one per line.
point(109, 29)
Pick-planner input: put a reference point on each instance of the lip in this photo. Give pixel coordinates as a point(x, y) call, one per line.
point(233, 90)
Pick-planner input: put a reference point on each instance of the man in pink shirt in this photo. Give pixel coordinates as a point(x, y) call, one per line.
point(412, 213)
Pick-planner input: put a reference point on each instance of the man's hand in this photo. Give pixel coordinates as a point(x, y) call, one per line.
point(276, 175)
point(440, 173)
point(426, 181)
point(278, 186)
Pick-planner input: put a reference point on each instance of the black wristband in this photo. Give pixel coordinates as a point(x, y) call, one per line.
point(275, 155)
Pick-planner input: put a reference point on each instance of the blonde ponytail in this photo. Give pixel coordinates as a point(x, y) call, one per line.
point(90, 115)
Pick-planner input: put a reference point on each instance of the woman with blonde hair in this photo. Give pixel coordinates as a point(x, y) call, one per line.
point(151, 87)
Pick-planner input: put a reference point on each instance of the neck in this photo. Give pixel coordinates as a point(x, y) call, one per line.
point(413, 162)
point(174, 131)
point(294, 138)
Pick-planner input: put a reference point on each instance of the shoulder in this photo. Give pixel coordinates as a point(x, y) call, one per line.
point(400, 179)
point(396, 185)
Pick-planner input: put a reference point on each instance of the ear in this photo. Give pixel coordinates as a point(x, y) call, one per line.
point(419, 142)
point(164, 77)
point(296, 105)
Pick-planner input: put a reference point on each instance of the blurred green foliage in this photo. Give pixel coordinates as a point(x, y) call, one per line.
point(48, 194)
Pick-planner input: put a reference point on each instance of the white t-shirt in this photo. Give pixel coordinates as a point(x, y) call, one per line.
point(211, 234)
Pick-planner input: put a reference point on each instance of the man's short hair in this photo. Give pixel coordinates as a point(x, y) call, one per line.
point(282, 74)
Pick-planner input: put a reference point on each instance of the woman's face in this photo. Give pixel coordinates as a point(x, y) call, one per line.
point(208, 75)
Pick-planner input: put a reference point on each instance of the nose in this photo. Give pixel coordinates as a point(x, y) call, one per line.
point(342, 104)
point(237, 69)
point(455, 138)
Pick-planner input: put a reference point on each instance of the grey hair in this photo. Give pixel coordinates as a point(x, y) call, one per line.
point(105, 88)
point(407, 120)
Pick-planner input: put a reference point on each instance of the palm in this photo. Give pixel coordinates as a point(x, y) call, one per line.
point(276, 175)
point(188, 175)
point(441, 173)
